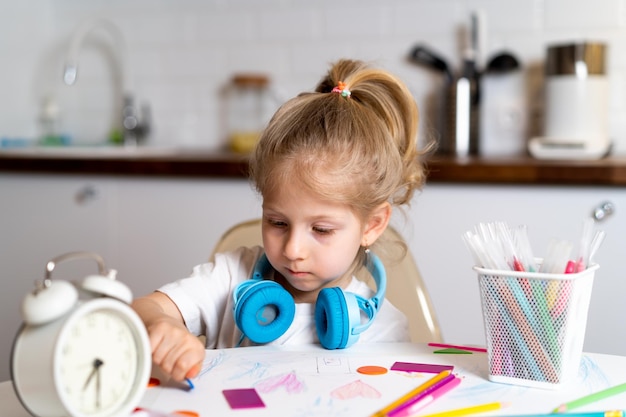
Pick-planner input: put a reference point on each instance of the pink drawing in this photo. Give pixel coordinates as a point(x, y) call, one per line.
point(289, 381)
point(355, 389)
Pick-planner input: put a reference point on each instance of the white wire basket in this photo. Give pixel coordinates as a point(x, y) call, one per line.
point(535, 325)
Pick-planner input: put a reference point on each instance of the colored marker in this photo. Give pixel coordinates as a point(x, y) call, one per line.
point(188, 381)
point(383, 412)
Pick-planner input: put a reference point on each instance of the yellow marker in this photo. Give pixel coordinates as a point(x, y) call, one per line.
point(397, 403)
point(482, 408)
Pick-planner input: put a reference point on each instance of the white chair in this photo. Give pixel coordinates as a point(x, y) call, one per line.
point(405, 288)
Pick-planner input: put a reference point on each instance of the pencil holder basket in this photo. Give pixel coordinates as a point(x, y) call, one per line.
point(534, 325)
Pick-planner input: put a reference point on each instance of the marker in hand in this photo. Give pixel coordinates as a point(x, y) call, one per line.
point(188, 381)
point(193, 372)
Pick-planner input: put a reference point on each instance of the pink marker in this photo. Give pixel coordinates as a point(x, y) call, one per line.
point(570, 268)
point(415, 404)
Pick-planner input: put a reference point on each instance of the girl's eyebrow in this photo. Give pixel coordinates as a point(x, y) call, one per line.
point(315, 218)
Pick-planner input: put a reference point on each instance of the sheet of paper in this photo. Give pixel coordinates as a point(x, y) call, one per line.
point(317, 382)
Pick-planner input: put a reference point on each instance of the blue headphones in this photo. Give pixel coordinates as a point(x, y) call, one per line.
point(264, 310)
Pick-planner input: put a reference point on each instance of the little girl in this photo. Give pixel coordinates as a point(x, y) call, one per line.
point(330, 166)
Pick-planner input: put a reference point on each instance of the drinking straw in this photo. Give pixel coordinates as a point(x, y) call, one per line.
point(524, 249)
point(506, 240)
point(591, 398)
point(488, 235)
point(478, 251)
point(595, 245)
point(555, 263)
point(525, 303)
point(519, 343)
point(547, 325)
point(556, 259)
point(563, 298)
point(528, 335)
point(584, 245)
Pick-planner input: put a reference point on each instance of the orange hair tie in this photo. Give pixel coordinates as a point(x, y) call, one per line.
point(342, 89)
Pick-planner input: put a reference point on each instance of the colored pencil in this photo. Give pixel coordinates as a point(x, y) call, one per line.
point(470, 348)
point(588, 399)
point(406, 397)
point(459, 412)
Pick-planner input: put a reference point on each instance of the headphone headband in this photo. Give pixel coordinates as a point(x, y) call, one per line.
point(375, 267)
point(372, 305)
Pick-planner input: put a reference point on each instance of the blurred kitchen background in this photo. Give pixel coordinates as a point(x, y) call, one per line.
point(176, 56)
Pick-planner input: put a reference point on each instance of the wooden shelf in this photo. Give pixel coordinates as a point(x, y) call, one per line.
point(526, 170)
point(205, 164)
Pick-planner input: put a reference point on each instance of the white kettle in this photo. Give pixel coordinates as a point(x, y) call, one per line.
point(576, 103)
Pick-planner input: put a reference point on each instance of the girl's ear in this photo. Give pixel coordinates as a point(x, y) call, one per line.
point(376, 224)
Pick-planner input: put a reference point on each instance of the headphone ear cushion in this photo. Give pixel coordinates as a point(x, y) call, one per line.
point(331, 318)
point(264, 311)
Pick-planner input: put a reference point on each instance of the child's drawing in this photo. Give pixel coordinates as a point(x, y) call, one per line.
point(212, 362)
point(289, 382)
point(333, 365)
point(355, 389)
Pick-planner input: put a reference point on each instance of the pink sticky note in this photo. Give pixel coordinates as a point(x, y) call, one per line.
point(243, 398)
point(420, 367)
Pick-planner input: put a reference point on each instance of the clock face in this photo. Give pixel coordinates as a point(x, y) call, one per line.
point(97, 362)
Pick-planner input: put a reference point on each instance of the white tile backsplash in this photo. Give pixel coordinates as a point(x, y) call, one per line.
point(586, 15)
point(181, 52)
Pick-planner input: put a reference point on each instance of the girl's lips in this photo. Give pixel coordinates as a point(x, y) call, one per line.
point(298, 274)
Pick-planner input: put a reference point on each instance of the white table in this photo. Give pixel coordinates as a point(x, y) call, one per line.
point(311, 381)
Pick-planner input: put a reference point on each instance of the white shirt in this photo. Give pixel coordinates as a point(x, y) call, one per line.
point(205, 300)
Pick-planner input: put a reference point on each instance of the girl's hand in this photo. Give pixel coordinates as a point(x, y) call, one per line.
point(176, 351)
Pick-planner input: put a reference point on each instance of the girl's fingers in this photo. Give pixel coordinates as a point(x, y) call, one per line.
point(194, 371)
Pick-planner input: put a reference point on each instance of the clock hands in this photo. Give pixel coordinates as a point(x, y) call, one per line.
point(97, 363)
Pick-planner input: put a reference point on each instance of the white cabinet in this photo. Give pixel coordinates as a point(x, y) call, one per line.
point(165, 227)
point(42, 217)
point(439, 216)
point(151, 231)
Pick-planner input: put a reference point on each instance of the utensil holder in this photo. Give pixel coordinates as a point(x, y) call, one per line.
point(534, 325)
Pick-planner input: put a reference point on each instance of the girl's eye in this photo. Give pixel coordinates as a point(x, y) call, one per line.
point(322, 231)
point(276, 223)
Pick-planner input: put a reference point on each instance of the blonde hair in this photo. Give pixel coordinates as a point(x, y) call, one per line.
point(360, 150)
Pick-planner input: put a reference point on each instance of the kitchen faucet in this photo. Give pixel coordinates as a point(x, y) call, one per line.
point(135, 125)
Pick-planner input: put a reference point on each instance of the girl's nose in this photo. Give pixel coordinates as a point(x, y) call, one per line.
point(293, 246)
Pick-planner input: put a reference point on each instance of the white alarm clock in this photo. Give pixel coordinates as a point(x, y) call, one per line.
point(82, 350)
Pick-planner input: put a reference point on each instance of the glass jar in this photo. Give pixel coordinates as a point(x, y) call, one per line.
point(249, 103)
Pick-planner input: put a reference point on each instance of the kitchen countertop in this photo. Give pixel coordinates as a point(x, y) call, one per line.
point(200, 163)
